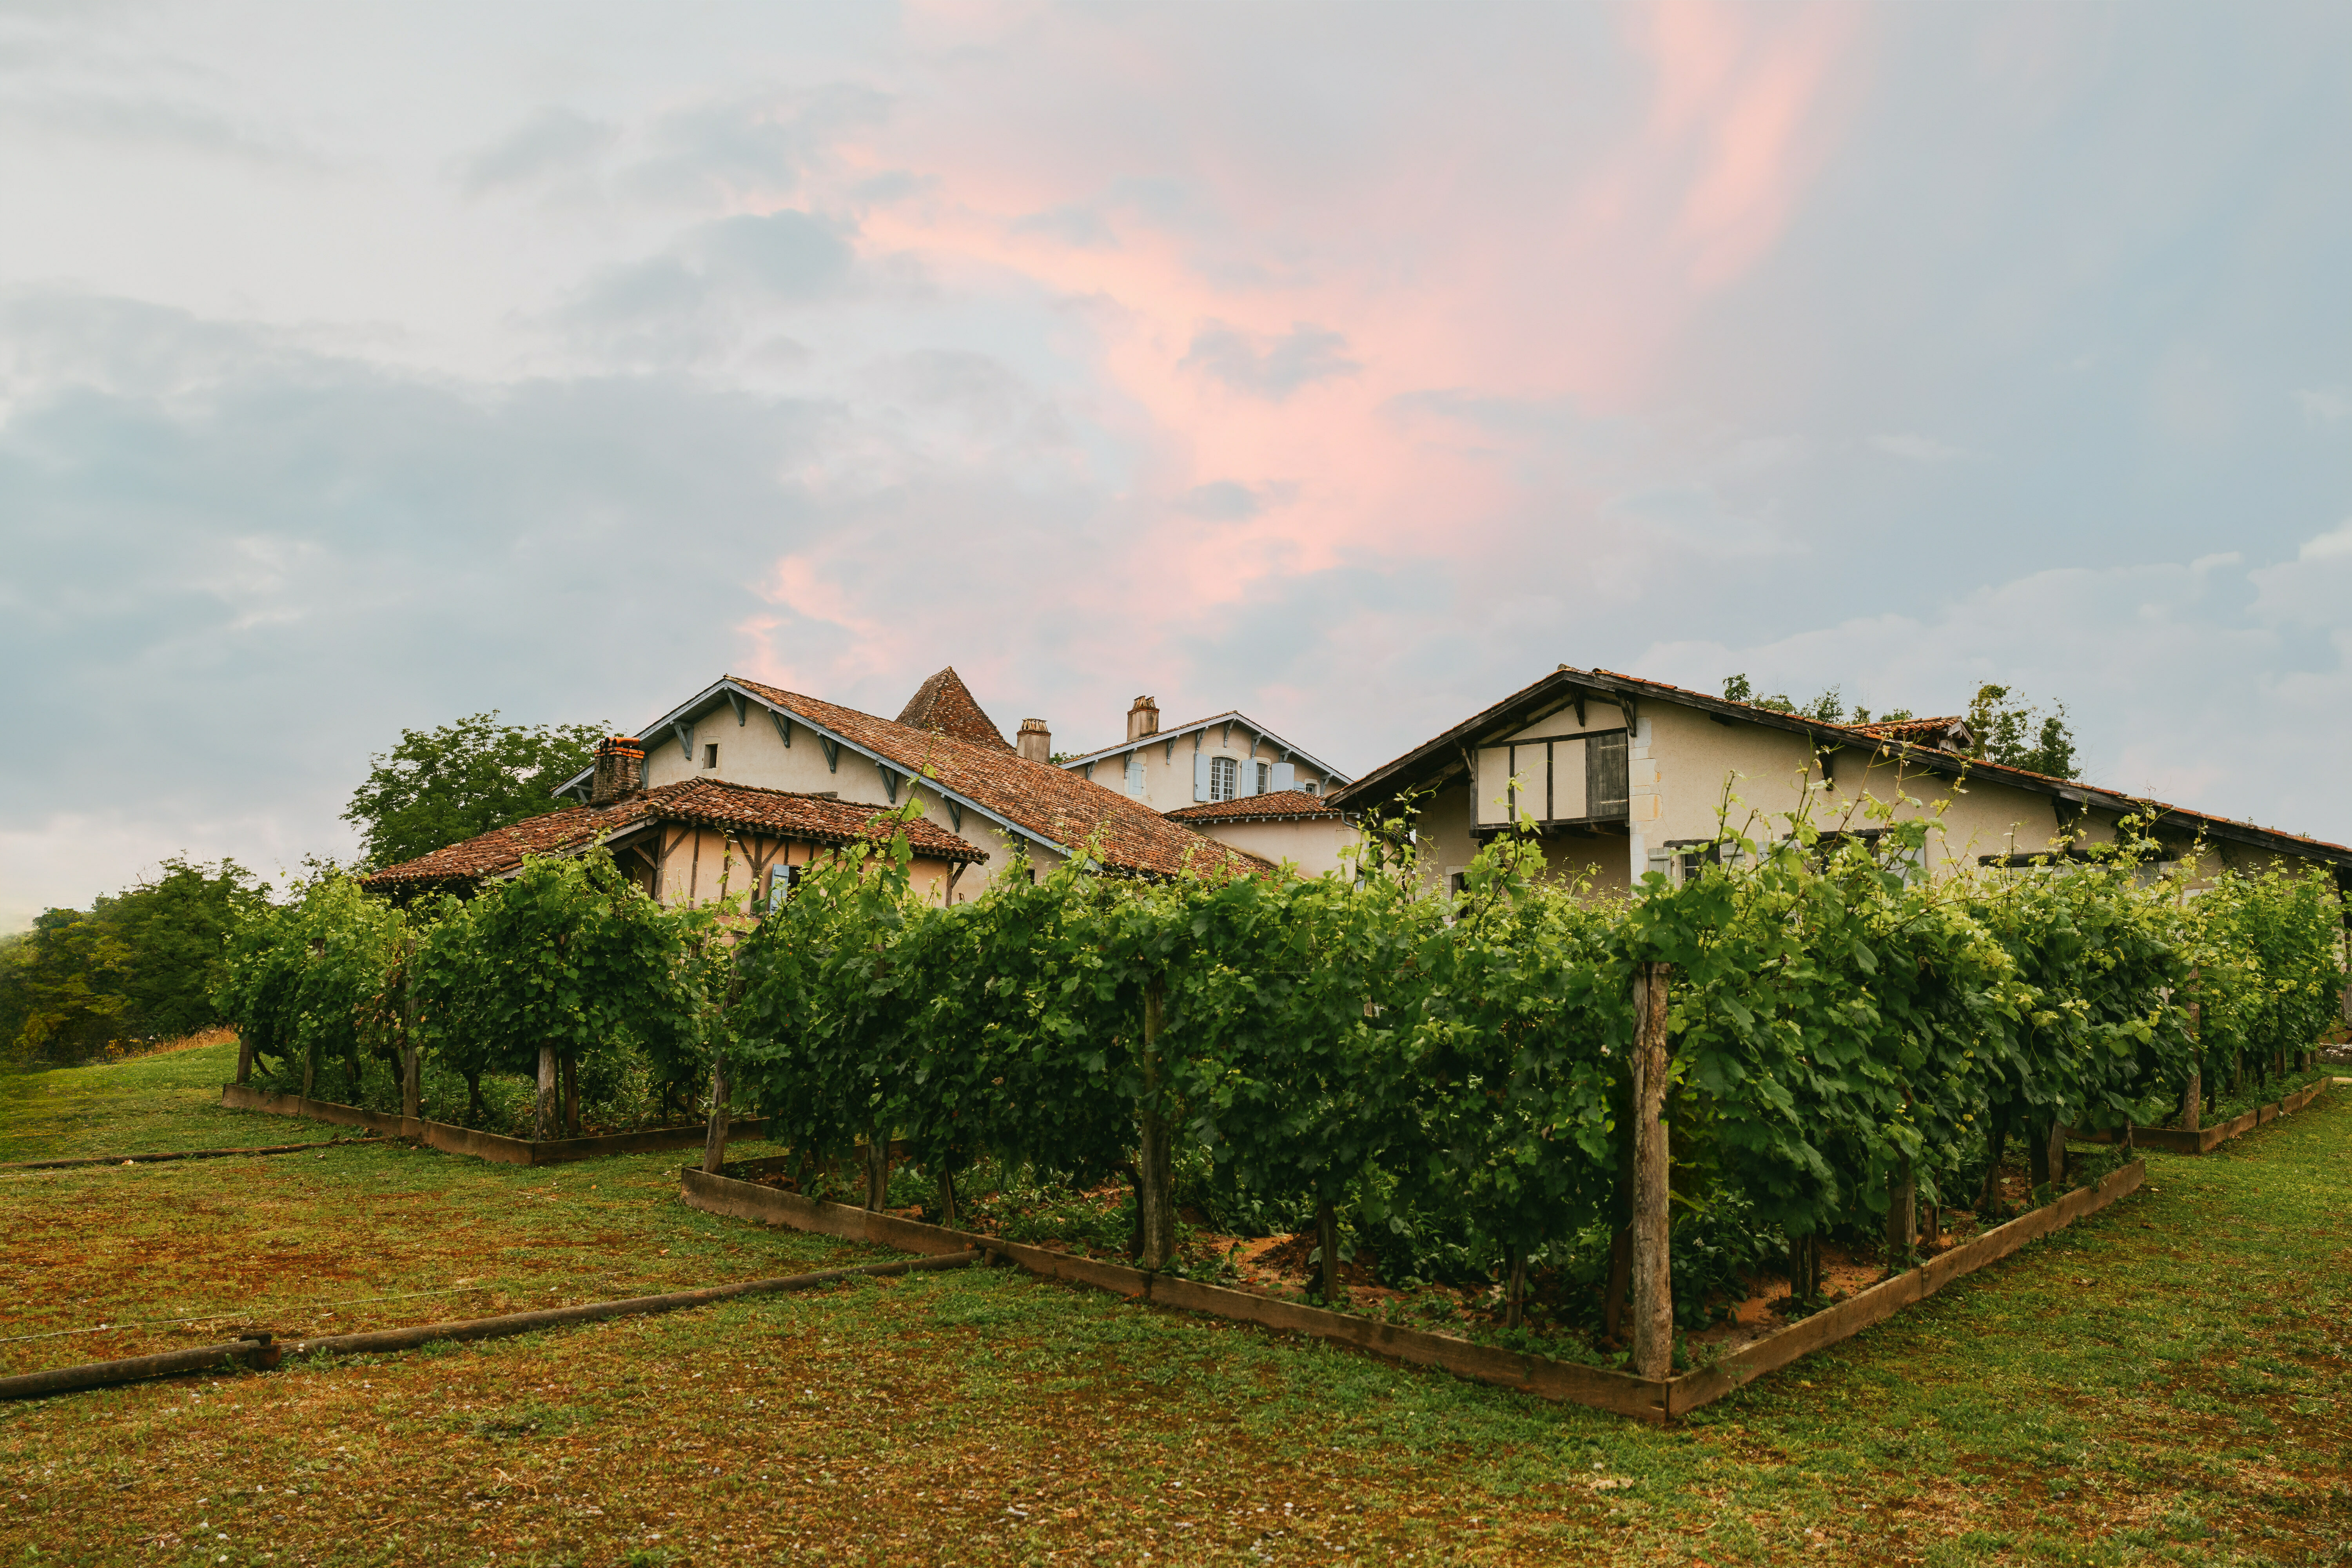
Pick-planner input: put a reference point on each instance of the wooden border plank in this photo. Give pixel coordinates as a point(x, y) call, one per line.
point(2205, 1140)
point(1601, 1388)
point(493, 1146)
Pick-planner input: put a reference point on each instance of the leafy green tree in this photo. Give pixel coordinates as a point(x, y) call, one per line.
point(139, 965)
point(2018, 735)
point(2009, 731)
point(442, 786)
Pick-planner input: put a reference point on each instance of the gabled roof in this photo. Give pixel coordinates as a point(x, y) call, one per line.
point(1036, 801)
point(1230, 719)
point(946, 704)
point(709, 803)
point(1275, 806)
point(1435, 760)
point(1951, 734)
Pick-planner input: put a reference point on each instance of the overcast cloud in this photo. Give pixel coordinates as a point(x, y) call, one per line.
point(364, 368)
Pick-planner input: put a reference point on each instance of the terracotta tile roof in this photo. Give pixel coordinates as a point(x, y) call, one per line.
point(1280, 805)
point(710, 803)
point(1058, 807)
point(1913, 732)
point(946, 704)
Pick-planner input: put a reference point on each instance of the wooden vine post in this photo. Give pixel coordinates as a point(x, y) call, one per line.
point(723, 1087)
point(412, 1072)
point(543, 1117)
point(1327, 1251)
point(714, 1142)
point(1902, 1215)
point(2193, 1094)
point(1654, 1291)
point(244, 1054)
point(1155, 1169)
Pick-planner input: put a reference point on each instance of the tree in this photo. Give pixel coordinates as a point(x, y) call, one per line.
point(2018, 736)
point(442, 786)
point(2013, 733)
point(1829, 708)
point(139, 965)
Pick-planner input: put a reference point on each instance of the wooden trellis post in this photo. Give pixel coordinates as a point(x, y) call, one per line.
point(1155, 1171)
point(1654, 1292)
point(543, 1120)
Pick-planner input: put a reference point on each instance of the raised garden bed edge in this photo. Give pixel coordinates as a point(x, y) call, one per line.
point(1646, 1399)
point(2205, 1140)
point(481, 1145)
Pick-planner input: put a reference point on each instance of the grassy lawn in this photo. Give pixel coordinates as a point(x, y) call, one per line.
point(145, 1105)
point(2166, 1382)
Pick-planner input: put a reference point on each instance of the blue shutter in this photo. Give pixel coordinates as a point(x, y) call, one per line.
point(1286, 776)
point(1200, 760)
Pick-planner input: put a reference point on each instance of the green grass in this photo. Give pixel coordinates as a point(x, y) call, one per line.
point(2164, 1383)
point(146, 1105)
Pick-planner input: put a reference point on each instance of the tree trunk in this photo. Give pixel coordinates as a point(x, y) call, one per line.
point(1514, 1288)
point(309, 1070)
point(1902, 1219)
point(2037, 1154)
point(1996, 1144)
point(1654, 1293)
point(244, 1056)
point(714, 1143)
point(2192, 1097)
point(2057, 1157)
point(1621, 1276)
point(571, 1097)
point(412, 1068)
point(1327, 1251)
point(1931, 1229)
point(947, 1198)
point(542, 1123)
point(1805, 1267)
point(1155, 1166)
point(476, 1111)
point(878, 1170)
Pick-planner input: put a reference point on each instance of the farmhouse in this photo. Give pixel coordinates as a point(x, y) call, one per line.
point(1283, 825)
point(687, 841)
point(1620, 776)
point(1226, 757)
point(1009, 806)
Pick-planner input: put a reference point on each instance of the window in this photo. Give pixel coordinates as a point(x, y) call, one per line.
point(1265, 778)
point(1311, 788)
point(780, 885)
point(1224, 778)
point(1605, 770)
point(710, 756)
point(1135, 774)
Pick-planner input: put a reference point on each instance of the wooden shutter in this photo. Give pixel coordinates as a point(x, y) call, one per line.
point(1286, 776)
point(1605, 766)
point(1202, 762)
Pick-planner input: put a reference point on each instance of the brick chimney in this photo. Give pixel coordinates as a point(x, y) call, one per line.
point(620, 770)
point(1143, 719)
point(1036, 741)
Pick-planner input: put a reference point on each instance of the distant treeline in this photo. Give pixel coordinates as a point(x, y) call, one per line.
point(135, 966)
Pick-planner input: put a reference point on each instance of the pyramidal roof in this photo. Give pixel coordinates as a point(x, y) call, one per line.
point(944, 703)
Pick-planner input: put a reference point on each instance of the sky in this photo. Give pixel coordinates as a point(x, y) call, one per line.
point(365, 367)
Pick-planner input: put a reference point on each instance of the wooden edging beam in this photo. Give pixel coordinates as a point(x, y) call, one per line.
point(491, 1146)
point(177, 1154)
point(261, 1355)
point(1647, 1399)
point(2205, 1140)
